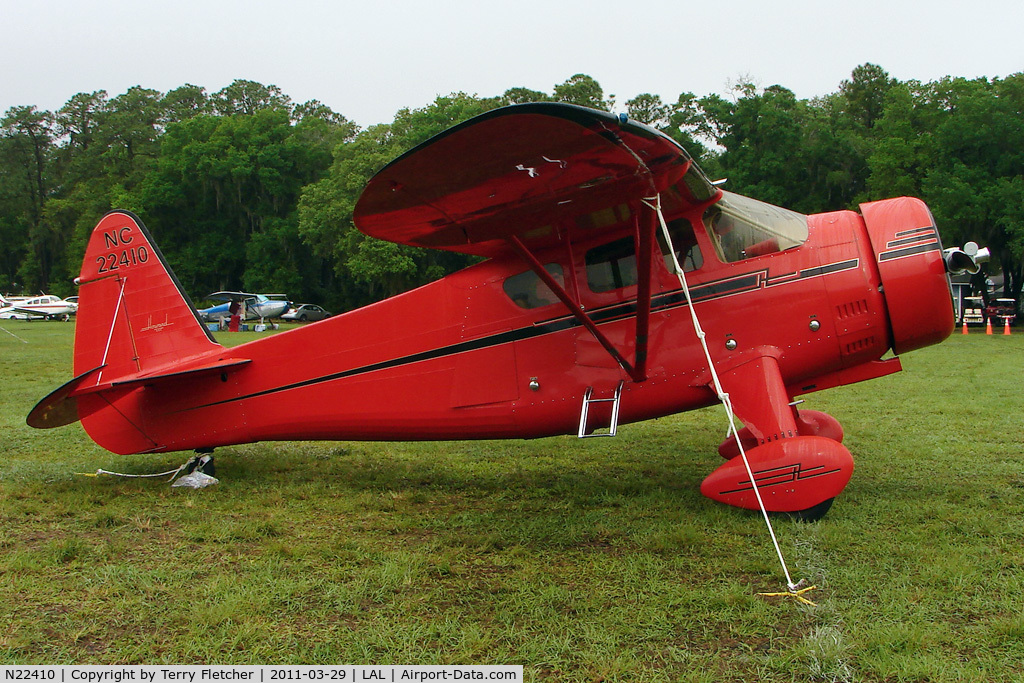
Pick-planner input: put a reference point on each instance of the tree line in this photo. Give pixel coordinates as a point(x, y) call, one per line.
point(245, 189)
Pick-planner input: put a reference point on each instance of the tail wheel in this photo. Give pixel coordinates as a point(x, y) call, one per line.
point(204, 463)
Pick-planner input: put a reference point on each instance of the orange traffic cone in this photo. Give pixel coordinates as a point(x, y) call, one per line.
point(965, 328)
point(988, 326)
point(1006, 326)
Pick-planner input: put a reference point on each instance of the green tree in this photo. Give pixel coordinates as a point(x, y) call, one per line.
point(976, 153)
point(247, 97)
point(413, 126)
point(584, 91)
point(649, 109)
point(833, 152)
point(108, 148)
point(31, 137)
point(806, 155)
point(131, 128)
point(315, 109)
point(523, 96)
point(15, 214)
point(370, 268)
point(28, 139)
point(223, 198)
point(865, 93)
point(185, 102)
point(79, 120)
point(898, 158)
point(760, 135)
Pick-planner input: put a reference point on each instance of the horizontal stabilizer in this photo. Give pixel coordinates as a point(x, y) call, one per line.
point(61, 407)
point(219, 366)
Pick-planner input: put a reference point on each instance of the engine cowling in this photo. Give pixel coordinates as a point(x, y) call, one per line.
point(910, 261)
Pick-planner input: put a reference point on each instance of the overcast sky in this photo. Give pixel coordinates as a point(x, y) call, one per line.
point(366, 60)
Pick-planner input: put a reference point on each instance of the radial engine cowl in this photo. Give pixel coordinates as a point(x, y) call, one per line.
point(913, 271)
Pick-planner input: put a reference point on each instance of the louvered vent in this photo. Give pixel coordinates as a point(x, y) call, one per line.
point(852, 308)
point(859, 345)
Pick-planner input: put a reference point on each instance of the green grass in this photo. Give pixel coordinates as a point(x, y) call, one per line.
point(583, 560)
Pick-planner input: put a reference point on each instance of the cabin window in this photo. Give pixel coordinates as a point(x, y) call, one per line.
point(527, 290)
point(743, 228)
point(687, 251)
point(611, 266)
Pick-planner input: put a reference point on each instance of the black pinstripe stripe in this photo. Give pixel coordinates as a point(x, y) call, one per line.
point(708, 291)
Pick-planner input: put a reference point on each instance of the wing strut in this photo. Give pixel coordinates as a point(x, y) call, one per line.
point(573, 307)
point(646, 227)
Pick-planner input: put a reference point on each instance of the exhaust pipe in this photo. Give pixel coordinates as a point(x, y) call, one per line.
point(965, 260)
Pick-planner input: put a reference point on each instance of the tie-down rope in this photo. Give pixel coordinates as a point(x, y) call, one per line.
point(796, 590)
point(174, 473)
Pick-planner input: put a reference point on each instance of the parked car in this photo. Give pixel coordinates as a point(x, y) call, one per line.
point(306, 312)
point(1002, 309)
point(973, 311)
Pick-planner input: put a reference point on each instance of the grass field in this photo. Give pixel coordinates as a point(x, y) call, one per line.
point(583, 560)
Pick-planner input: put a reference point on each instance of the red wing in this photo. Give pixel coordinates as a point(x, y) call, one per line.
point(516, 171)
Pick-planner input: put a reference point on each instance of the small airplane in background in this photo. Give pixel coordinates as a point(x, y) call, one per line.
point(251, 306)
point(42, 307)
point(602, 242)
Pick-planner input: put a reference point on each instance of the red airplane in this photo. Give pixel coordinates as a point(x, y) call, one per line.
point(573, 323)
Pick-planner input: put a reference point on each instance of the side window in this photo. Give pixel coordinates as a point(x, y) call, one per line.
point(527, 290)
point(743, 228)
point(611, 266)
point(687, 251)
point(734, 237)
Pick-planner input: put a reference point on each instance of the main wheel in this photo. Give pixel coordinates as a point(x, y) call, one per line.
point(798, 476)
point(812, 514)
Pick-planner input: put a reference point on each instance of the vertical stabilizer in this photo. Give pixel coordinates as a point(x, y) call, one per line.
point(133, 316)
point(134, 320)
point(135, 328)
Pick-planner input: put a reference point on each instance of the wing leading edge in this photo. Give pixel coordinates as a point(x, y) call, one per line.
point(516, 172)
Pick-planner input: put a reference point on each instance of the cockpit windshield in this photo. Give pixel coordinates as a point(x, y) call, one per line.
point(743, 228)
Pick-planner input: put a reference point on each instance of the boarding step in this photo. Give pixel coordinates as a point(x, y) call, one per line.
point(613, 423)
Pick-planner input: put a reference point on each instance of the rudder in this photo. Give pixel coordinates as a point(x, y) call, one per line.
point(134, 321)
point(135, 329)
point(133, 315)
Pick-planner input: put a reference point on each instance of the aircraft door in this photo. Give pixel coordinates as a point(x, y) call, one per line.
point(485, 369)
point(609, 275)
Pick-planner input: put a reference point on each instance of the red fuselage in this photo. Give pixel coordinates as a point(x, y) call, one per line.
point(459, 359)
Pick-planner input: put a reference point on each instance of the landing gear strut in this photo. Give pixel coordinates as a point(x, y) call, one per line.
point(798, 463)
point(202, 461)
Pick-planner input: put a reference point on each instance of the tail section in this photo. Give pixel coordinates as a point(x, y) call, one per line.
point(133, 316)
point(7, 303)
point(136, 330)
